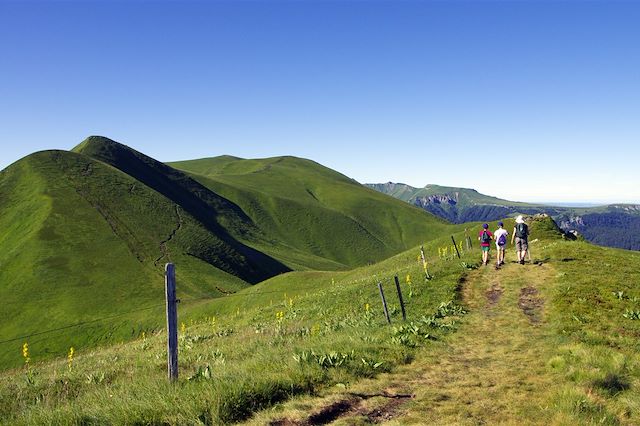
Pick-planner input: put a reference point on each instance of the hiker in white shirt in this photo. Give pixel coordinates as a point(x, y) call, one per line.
point(500, 236)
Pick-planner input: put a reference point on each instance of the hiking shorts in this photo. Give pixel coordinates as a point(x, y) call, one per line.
point(521, 244)
point(486, 248)
point(499, 247)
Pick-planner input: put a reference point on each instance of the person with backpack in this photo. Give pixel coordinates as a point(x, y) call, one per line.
point(521, 235)
point(485, 238)
point(500, 235)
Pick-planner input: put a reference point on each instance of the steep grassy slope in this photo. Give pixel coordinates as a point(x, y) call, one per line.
point(314, 210)
point(219, 216)
point(82, 240)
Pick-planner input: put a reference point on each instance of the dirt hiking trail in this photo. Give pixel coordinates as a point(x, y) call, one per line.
point(494, 369)
point(491, 371)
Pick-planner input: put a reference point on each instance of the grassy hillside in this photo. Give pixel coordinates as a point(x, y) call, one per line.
point(401, 191)
point(86, 235)
point(551, 342)
point(82, 240)
point(294, 334)
point(311, 209)
point(219, 216)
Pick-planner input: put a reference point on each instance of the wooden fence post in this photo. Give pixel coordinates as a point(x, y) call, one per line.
point(454, 244)
point(172, 321)
point(467, 238)
point(424, 264)
point(384, 303)
point(404, 315)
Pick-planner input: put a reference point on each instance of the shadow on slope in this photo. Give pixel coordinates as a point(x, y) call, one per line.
point(217, 214)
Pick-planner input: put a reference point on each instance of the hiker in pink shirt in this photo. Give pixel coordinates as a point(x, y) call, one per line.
point(485, 238)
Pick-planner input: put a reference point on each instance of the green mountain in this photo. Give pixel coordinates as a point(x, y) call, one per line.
point(86, 233)
point(82, 240)
point(615, 225)
point(313, 210)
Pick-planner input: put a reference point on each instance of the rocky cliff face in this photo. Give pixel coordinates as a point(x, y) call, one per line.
point(450, 199)
point(571, 222)
point(618, 227)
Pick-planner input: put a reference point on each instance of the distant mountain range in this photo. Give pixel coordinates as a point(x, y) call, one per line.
point(615, 225)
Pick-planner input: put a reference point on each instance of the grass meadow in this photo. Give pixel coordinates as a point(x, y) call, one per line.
point(567, 353)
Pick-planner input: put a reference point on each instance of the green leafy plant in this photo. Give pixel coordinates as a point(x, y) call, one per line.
point(371, 364)
point(325, 360)
point(202, 373)
point(95, 378)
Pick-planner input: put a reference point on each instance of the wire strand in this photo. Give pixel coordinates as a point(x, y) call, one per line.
point(27, 336)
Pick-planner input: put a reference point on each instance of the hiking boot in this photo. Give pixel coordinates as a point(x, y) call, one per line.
point(522, 262)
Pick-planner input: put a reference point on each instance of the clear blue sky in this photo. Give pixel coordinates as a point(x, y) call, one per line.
point(521, 100)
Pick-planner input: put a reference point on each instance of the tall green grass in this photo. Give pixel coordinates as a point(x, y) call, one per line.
point(294, 334)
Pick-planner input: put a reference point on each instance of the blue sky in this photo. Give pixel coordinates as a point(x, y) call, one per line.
point(533, 101)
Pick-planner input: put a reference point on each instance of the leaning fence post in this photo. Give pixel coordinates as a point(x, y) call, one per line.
point(404, 315)
point(424, 264)
point(467, 238)
point(172, 321)
point(454, 244)
point(384, 303)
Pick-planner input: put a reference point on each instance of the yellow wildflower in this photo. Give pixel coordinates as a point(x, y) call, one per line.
point(25, 353)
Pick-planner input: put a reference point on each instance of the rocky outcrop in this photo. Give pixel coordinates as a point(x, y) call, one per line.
point(571, 222)
point(450, 199)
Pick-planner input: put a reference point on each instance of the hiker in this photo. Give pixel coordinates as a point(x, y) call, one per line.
point(500, 235)
point(521, 235)
point(485, 238)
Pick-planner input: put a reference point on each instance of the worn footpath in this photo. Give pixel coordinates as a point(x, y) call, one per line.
point(492, 371)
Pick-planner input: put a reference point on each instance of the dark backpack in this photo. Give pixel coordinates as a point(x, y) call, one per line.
point(485, 237)
point(521, 230)
point(502, 240)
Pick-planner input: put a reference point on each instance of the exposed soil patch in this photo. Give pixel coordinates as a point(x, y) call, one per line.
point(351, 407)
point(325, 416)
point(223, 291)
point(163, 244)
point(384, 413)
point(531, 304)
point(493, 294)
point(284, 422)
point(332, 412)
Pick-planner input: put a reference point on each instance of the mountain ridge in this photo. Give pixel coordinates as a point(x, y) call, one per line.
point(610, 225)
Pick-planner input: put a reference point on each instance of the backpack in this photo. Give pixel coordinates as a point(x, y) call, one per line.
point(485, 238)
point(521, 230)
point(502, 240)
